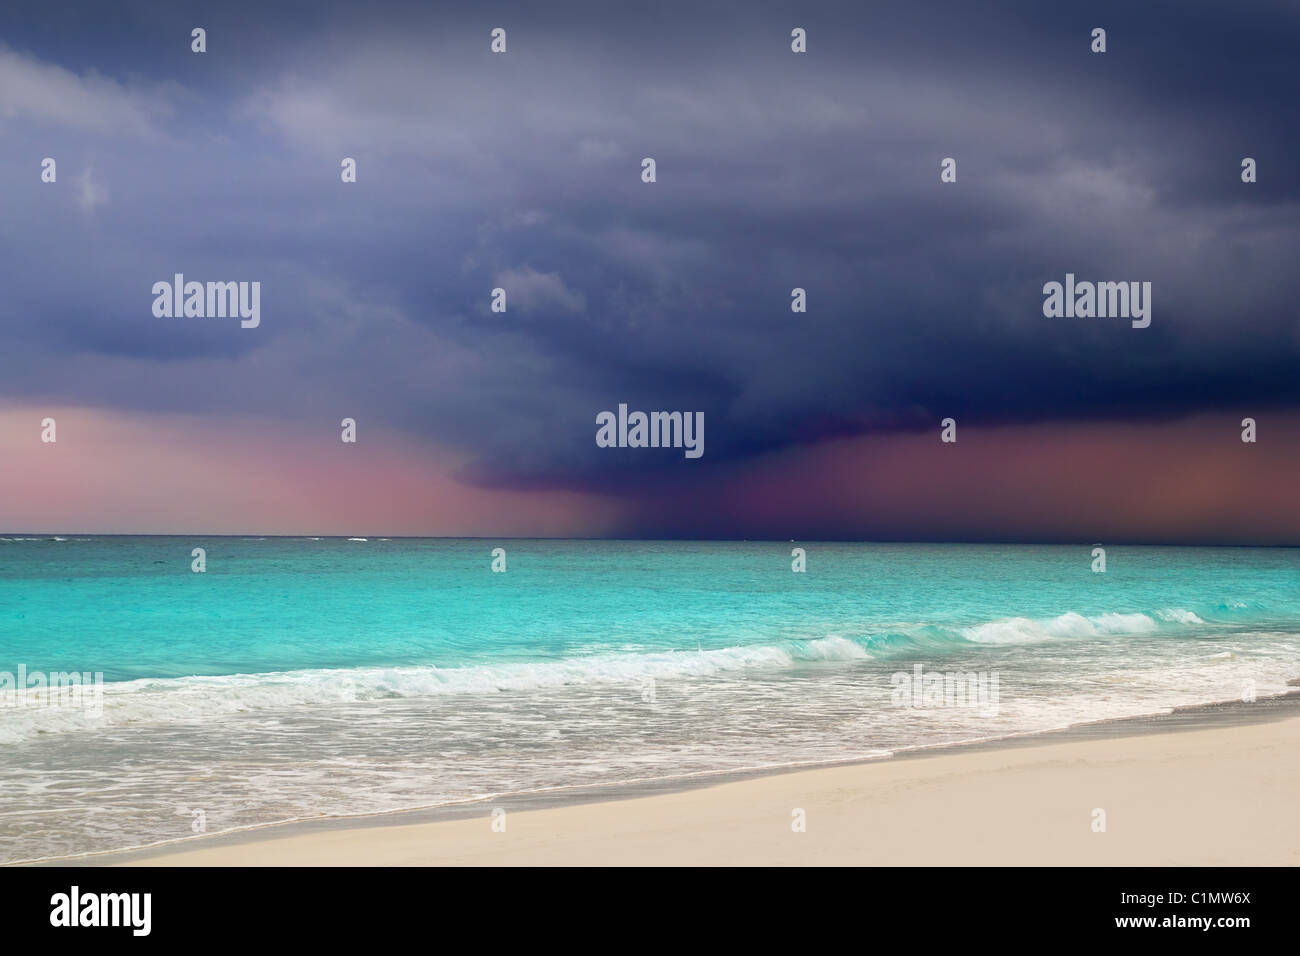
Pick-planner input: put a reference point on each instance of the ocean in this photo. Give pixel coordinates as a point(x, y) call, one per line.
point(300, 678)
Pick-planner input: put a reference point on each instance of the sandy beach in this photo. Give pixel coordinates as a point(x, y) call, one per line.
point(1223, 792)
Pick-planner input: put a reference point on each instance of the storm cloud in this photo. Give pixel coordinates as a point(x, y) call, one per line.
point(774, 171)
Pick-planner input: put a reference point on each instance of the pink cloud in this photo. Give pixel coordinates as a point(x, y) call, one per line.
point(128, 473)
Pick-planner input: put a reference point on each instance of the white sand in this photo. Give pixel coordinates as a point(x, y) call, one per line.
point(1227, 795)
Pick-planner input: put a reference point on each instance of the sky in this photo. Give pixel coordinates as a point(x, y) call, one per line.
point(775, 170)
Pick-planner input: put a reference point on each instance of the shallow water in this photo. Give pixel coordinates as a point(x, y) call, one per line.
point(300, 677)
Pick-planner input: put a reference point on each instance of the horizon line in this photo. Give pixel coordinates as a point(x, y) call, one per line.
point(40, 535)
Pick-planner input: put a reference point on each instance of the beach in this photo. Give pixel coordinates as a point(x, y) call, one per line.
point(677, 691)
point(1218, 787)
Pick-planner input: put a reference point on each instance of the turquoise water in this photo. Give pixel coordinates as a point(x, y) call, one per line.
point(300, 677)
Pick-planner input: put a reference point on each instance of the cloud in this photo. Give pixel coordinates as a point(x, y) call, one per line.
point(42, 93)
point(91, 193)
point(595, 151)
point(775, 170)
point(533, 291)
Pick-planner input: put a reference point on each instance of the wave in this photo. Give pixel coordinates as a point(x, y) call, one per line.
point(1179, 616)
point(181, 699)
point(1023, 630)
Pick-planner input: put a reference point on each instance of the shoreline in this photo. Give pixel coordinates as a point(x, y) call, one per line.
point(228, 848)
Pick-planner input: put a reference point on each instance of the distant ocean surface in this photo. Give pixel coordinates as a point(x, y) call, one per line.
point(302, 677)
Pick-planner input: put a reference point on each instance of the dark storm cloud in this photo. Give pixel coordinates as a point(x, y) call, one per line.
point(775, 170)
